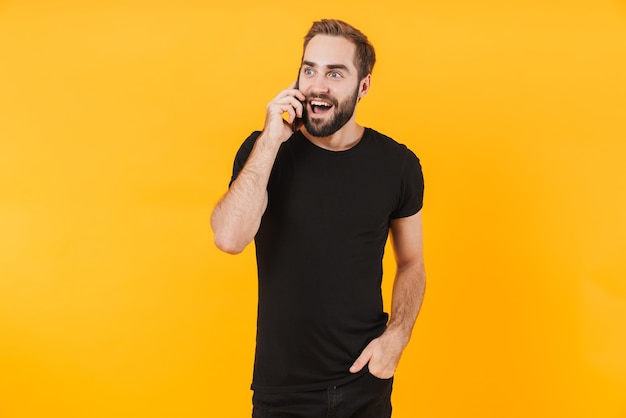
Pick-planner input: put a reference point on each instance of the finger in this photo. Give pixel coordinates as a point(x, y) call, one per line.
point(292, 115)
point(360, 362)
point(292, 91)
point(382, 373)
point(282, 95)
point(287, 109)
point(299, 95)
point(299, 108)
point(296, 105)
point(288, 104)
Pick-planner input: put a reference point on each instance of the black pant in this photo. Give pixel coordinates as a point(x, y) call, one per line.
point(365, 397)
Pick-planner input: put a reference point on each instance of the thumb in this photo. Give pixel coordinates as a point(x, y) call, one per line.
point(360, 362)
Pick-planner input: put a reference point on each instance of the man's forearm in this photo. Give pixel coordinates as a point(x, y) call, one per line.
point(408, 294)
point(237, 216)
point(383, 353)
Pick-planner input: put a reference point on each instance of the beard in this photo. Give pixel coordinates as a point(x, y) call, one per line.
point(343, 112)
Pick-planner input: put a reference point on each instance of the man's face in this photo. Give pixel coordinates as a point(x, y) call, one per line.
point(330, 82)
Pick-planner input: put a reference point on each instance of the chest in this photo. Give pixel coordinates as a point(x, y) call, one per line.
point(356, 193)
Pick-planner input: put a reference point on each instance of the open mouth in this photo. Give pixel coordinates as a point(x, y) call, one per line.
point(319, 107)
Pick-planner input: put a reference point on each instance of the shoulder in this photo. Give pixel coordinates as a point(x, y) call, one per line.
point(245, 149)
point(381, 139)
point(249, 142)
point(385, 145)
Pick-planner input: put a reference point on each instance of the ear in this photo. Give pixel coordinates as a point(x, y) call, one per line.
point(364, 86)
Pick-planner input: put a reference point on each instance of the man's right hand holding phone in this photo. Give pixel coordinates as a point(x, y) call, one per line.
point(288, 101)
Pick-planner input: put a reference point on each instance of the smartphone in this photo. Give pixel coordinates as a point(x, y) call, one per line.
point(297, 122)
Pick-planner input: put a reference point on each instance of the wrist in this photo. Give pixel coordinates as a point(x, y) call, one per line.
point(398, 333)
point(266, 146)
point(268, 142)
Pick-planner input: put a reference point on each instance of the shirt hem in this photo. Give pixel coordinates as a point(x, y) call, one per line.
point(309, 387)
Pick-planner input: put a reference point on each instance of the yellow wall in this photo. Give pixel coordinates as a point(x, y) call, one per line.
point(118, 125)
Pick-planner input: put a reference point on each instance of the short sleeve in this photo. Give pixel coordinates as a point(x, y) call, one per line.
point(411, 197)
point(243, 154)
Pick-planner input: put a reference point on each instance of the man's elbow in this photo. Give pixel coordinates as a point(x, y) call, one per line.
point(228, 244)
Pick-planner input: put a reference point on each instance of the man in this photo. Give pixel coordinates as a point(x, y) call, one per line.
point(319, 198)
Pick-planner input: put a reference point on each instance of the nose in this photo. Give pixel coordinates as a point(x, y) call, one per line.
point(319, 85)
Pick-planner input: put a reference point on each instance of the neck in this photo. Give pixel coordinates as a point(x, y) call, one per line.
point(345, 138)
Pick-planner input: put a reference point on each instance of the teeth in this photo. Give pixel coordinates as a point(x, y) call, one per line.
point(316, 103)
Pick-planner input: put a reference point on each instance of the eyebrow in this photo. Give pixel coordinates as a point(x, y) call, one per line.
point(330, 66)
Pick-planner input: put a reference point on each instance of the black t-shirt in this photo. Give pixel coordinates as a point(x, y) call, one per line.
point(319, 254)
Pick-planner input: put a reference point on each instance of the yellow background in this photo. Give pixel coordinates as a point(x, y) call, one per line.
point(118, 125)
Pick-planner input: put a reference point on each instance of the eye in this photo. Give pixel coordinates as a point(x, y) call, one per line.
point(335, 74)
point(307, 71)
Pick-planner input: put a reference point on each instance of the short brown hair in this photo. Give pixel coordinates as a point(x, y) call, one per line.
point(364, 57)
